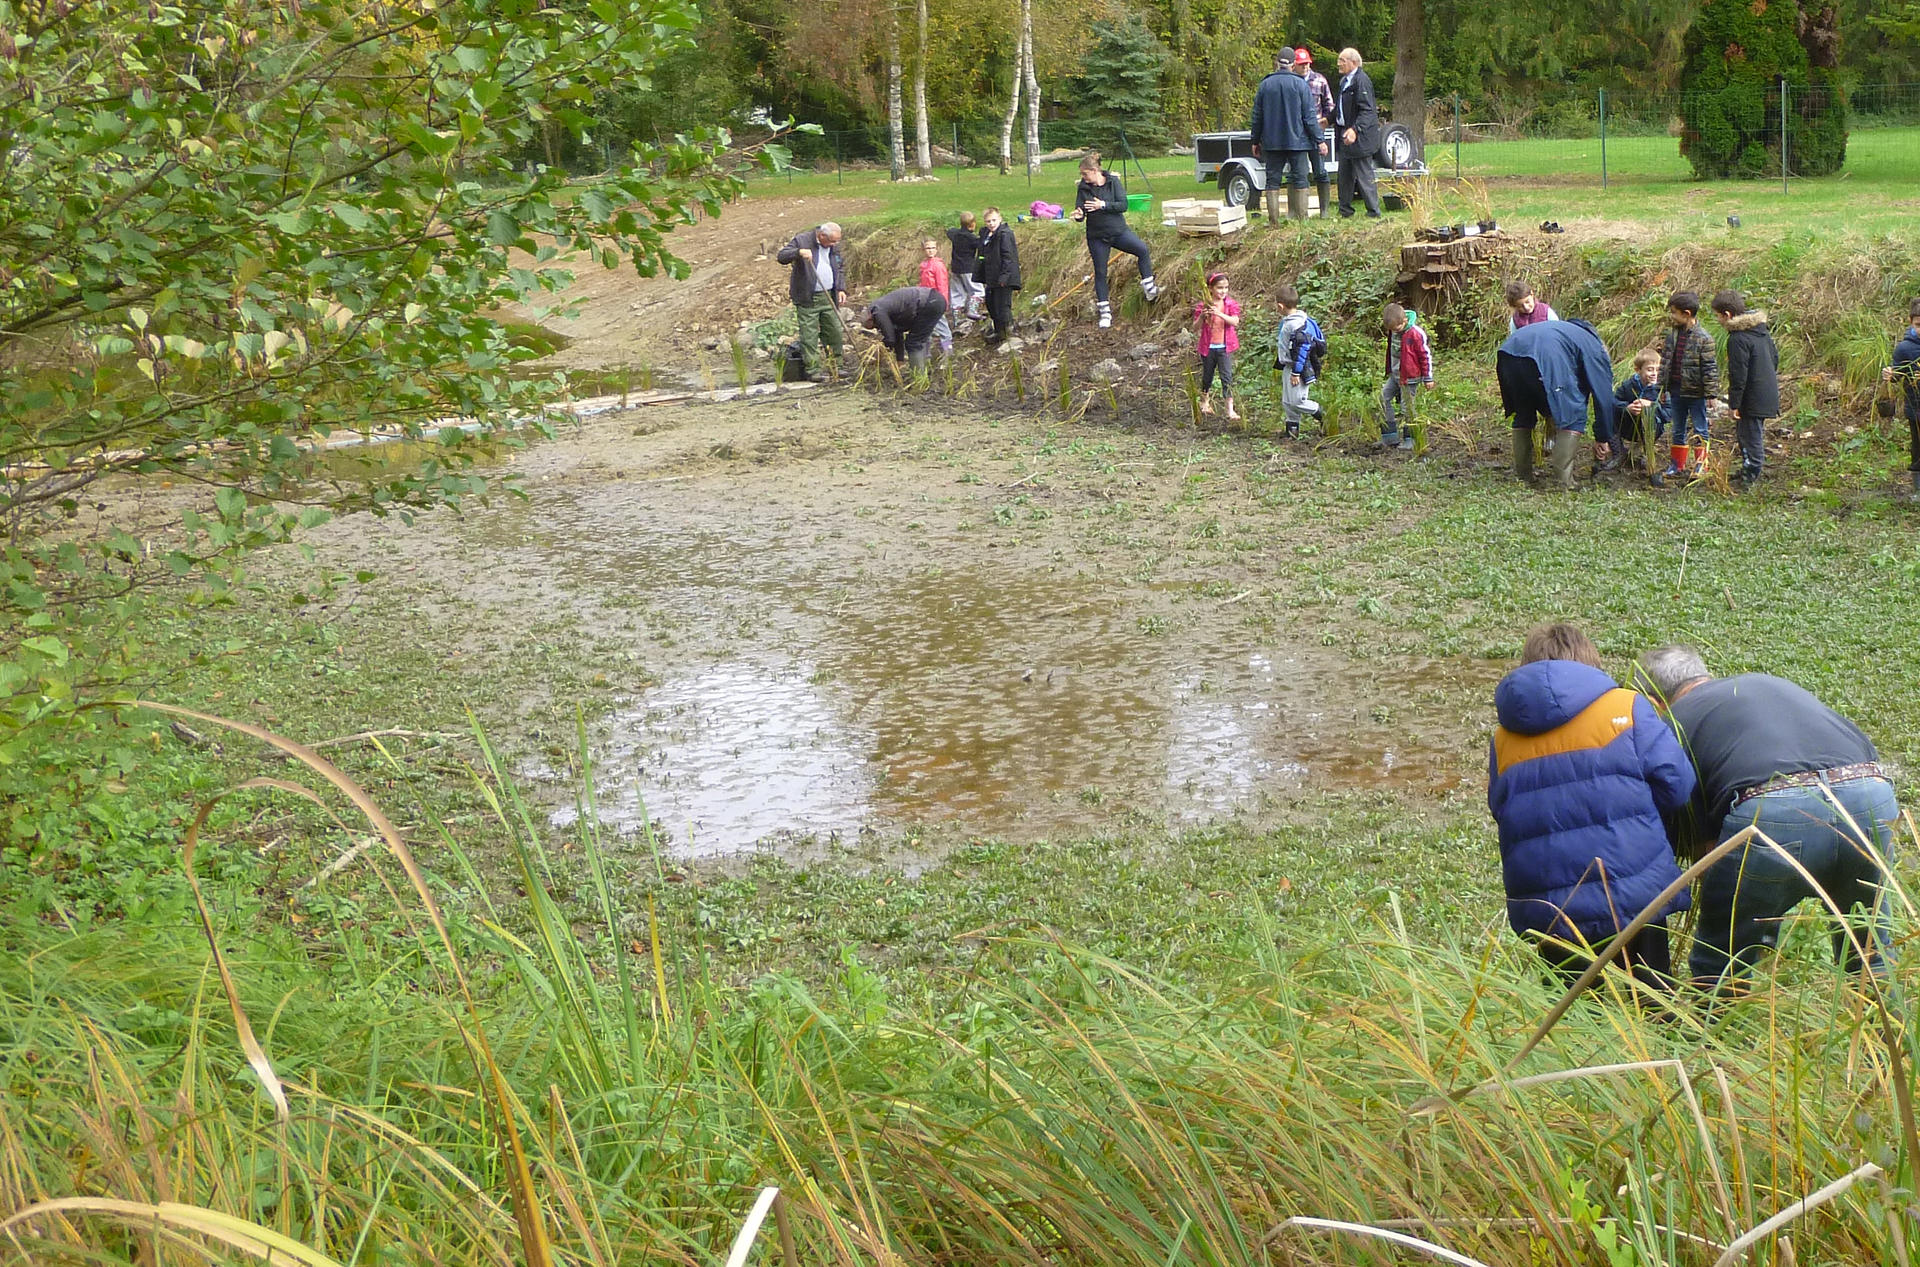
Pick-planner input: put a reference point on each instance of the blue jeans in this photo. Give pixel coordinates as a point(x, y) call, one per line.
point(1689, 409)
point(1744, 896)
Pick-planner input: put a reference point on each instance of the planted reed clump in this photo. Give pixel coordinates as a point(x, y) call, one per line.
point(1052, 1104)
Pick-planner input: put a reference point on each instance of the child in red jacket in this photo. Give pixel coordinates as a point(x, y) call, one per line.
point(1409, 368)
point(1218, 318)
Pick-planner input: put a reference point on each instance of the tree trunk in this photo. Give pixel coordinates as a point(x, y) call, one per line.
point(1033, 88)
point(896, 134)
point(1013, 108)
point(922, 150)
point(1410, 70)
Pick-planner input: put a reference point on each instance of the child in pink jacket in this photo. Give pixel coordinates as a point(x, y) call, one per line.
point(934, 276)
point(1218, 317)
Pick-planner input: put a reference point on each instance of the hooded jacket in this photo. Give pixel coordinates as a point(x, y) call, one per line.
point(1110, 221)
point(1753, 367)
point(1689, 354)
point(1580, 777)
point(1574, 368)
point(999, 258)
point(1284, 116)
point(800, 285)
point(905, 318)
point(1293, 345)
point(1906, 369)
point(1408, 357)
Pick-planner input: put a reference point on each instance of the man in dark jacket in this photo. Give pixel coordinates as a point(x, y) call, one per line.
point(1770, 755)
point(1357, 120)
point(1555, 368)
point(1753, 379)
point(1286, 131)
point(999, 272)
point(817, 286)
point(905, 320)
point(1905, 370)
point(1581, 778)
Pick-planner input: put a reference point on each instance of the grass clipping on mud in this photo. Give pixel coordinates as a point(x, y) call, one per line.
point(624, 1106)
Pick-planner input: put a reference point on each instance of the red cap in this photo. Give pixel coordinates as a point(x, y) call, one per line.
point(1301, 57)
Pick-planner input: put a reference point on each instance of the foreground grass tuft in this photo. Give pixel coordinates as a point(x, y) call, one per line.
point(1051, 1102)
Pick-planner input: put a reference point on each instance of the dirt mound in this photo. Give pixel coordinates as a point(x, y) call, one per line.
point(623, 319)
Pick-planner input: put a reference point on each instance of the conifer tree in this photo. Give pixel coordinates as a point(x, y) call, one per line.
point(1738, 54)
point(1120, 86)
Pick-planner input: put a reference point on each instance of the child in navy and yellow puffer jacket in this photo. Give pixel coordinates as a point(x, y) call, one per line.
point(1581, 778)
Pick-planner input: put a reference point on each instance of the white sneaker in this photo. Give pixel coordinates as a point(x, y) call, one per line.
point(1150, 288)
point(1105, 312)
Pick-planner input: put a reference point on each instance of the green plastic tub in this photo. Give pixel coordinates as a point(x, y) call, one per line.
point(1139, 202)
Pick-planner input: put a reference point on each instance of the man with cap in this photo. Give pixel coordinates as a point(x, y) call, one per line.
point(1323, 106)
point(1285, 133)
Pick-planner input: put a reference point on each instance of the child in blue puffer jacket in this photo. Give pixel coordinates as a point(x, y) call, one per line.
point(1580, 777)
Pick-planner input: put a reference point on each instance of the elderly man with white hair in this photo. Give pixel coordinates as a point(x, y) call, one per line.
point(1357, 123)
point(817, 287)
point(1770, 755)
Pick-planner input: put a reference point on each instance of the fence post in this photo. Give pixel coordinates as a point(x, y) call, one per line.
point(1783, 134)
point(1603, 138)
point(839, 177)
point(956, 153)
point(1456, 136)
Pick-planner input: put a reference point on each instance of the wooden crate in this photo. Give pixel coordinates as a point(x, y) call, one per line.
point(1211, 219)
point(1171, 208)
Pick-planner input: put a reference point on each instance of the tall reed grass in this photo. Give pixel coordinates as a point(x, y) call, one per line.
point(1052, 1105)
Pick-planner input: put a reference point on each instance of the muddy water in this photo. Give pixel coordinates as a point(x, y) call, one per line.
point(814, 685)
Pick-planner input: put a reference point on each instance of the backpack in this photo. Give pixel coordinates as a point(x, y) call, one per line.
point(793, 364)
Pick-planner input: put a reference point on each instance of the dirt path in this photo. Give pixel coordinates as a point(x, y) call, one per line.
point(627, 320)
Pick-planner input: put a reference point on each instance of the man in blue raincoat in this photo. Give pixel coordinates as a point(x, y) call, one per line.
point(1556, 368)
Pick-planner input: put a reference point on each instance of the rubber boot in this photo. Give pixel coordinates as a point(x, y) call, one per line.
point(1565, 445)
point(1698, 464)
point(1326, 199)
point(1523, 454)
point(1296, 203)
point(1273, 206)
point(1676, 461)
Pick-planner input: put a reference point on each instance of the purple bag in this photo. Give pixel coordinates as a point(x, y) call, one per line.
point(1045, 210)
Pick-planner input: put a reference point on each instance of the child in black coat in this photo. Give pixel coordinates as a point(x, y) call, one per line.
point(999, 272)
point(1753, 379)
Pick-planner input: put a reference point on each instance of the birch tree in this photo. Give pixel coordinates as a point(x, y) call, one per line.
point(923, 150)
point(896, 135)
point(1013, 107)
point(1033, 87)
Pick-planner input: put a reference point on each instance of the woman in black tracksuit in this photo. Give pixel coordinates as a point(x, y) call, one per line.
point(1100, 201)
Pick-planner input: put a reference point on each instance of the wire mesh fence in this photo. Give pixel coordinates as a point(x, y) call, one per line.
point(1603, 137)
point(1785, 132)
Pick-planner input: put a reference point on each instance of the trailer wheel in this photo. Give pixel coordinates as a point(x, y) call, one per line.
point(1397, 146)
point(1237, 189)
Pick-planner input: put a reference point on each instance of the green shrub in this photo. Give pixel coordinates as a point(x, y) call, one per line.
point(1738, 52)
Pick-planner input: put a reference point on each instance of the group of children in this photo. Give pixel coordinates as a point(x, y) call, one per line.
point(985, 270)
point(1668, 390)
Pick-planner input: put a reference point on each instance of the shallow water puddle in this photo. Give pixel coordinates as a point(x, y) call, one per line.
point(1002, 701)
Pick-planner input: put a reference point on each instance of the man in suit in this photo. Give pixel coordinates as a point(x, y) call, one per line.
point(1286, 131)
point(1358, 123)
